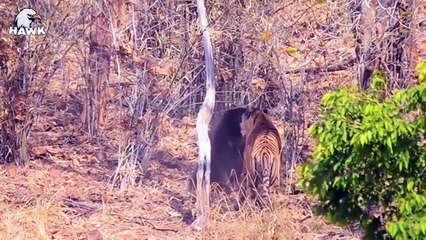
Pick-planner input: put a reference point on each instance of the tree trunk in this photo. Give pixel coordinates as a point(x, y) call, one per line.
point(362, 18)
point(99, 65)
point(15, 127)
point(203, 122)
point(382, 29)
point(401, 27)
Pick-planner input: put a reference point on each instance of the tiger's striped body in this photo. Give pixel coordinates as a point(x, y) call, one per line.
point(262, 155)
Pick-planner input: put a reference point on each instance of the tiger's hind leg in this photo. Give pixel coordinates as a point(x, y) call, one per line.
point(262, 186)
point(275, 182)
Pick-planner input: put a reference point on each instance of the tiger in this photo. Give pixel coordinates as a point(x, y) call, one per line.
point(262, 156)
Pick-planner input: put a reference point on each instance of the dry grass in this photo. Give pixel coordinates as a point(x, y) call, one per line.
point(65, 193)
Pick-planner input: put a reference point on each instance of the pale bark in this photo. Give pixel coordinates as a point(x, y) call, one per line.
point(203, 121)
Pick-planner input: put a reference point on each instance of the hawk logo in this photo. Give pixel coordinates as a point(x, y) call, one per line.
point(23, 21)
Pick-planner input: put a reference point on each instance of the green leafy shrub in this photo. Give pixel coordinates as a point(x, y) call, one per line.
point(369, 163)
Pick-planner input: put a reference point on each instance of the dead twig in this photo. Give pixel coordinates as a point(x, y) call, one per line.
point(75, 204)
point(144, 221)
point(324, 69)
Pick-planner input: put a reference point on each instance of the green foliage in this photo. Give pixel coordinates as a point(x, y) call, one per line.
point(378, 80)
point(289, 49)
point(421, 67)
point(369, 163)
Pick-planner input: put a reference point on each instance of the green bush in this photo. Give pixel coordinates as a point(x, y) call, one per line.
point(369, 164)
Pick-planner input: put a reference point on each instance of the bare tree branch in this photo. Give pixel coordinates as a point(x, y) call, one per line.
point(203, 121)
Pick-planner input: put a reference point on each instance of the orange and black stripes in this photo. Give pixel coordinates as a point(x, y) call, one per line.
point(262, 157)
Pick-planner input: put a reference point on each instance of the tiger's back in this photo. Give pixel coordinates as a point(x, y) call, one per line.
point(262, 154)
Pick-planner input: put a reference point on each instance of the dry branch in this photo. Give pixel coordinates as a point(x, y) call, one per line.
point(324, 69)
point(203, 121)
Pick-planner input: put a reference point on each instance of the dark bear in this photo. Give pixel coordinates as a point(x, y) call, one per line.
point(227, 147)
